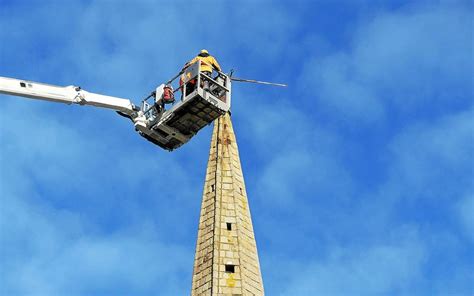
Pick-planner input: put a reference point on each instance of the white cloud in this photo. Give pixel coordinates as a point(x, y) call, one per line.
point(434, 159)
point(53, 252)
point(391, 65)
point(382, 268)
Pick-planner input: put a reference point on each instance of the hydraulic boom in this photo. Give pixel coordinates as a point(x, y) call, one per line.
point(68, 95)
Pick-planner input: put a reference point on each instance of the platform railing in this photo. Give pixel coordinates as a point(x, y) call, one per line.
point(186, 82)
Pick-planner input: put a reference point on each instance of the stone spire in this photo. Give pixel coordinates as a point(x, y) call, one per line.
point(226, 260)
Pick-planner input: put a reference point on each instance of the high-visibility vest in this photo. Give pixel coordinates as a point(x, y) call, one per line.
point(207, 63)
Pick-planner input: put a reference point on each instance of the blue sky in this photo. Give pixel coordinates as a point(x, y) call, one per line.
point(359, 174)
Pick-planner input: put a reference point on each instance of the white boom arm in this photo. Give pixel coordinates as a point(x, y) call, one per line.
point(68, 94)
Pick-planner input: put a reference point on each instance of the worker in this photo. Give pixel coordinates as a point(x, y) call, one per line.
point(208, 63)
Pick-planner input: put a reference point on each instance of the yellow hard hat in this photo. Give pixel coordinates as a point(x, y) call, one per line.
point(203, 51)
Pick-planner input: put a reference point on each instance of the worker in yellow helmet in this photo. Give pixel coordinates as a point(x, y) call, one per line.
point(208, 63)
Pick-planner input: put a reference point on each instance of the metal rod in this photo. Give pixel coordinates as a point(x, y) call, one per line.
point(256, 81)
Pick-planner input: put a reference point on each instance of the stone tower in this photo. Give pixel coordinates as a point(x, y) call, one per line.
point(226, 260)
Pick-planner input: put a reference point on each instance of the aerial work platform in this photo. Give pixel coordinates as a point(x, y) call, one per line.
point(204, 96)
point(203, 99)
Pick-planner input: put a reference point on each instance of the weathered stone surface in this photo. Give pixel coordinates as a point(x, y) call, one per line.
point(226, 260)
